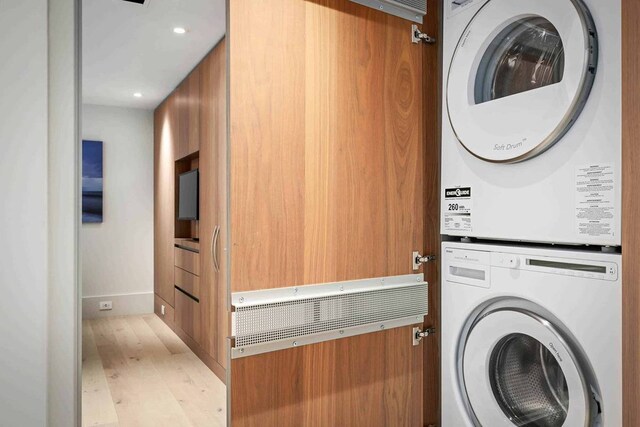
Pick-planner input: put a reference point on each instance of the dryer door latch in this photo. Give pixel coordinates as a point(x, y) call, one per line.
point(418, 259)
point(419, 334)
point(418, 36)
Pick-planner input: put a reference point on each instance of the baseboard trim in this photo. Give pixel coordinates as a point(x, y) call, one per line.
point(123, 305)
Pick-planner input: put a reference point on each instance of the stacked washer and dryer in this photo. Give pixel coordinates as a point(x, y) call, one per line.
point(531, 201)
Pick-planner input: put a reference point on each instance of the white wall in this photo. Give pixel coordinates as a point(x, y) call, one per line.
point(23, 212)
point(117, 255)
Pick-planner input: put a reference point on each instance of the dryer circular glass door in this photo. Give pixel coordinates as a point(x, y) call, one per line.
point(518, 369)
point(520, 77)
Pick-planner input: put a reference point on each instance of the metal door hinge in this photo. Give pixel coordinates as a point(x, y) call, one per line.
point(418, 259)
point(418, 36)
point(419, 334)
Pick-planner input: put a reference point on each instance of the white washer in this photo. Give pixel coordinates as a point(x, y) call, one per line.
point(530, 337)
point(532, 120)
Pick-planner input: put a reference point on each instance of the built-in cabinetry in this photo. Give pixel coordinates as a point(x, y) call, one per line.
point(190, 275)
point(333, 177)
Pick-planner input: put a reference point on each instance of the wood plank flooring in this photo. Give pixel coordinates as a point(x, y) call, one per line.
point(137, 372)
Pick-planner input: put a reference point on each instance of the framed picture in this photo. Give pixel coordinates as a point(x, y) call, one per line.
point(91, 181)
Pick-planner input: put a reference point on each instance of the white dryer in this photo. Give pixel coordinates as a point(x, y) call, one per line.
point(530, 337)
point(532, 120)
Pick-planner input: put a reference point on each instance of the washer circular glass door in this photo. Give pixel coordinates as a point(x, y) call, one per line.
point(516, 369)
point(520, 76)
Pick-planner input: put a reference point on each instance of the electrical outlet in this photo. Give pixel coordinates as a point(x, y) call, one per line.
point(105, 305)
point(162, 309)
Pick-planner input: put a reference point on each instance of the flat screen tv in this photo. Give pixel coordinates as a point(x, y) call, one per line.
point(188, 196)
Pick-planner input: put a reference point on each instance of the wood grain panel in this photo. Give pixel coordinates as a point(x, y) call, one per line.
point(188, 282)
point(168, 316)
point(188, 243)
point(326, 144)
point(212, 94)
point(630, 212)
point(137, 372)
point(267, 137)
point(164, 146)
point(219, 57)
point(181, 113)
point(187, 315)
point(336, 383)
point(193, 111)
point(188, 110)
point(187, 260)
point(211, 363)
point(208, 209)
point(327, 183)
point(431, 71)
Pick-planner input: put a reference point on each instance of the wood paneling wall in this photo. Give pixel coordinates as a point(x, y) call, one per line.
point(327, 143)
point(364, 381)
point(327, 161)
point(630, 212)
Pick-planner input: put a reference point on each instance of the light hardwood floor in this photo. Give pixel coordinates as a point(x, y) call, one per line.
point(137, 372)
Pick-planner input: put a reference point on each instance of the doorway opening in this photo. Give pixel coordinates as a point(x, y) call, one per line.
point(154, 318)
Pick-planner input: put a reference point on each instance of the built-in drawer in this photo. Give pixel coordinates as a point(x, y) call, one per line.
point(187, 314)
point(190, 283)
point(192, 244)
point(187, 260)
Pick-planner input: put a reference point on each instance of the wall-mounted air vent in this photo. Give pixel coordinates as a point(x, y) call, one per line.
point(277, 319)
point(413, 10)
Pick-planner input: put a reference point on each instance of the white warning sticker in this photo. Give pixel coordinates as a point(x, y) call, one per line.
point(595, 201)
point(458, 206)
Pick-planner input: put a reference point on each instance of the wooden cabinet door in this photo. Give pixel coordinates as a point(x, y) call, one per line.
point(193, 110)
point(180, 112)
point(212, 204)
point(326, 184)
point(163, 210)
point(188, 110)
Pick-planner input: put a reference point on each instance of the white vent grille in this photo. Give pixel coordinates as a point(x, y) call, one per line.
point(281, 318)
point(413, 10)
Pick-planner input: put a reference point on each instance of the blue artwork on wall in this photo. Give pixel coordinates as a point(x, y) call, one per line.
point(92, 181)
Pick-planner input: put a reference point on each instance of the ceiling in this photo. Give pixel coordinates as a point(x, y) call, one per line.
point(129, 48)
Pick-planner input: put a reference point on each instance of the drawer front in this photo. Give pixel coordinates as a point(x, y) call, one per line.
point(187, 314)
point(188, 282)
point(187, 260)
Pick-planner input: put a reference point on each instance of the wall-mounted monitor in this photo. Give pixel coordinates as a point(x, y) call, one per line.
point(188, 196)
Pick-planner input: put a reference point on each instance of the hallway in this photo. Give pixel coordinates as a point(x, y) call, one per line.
point(137, 372)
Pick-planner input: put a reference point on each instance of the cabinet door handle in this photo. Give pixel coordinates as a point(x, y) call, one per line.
point(214, 248)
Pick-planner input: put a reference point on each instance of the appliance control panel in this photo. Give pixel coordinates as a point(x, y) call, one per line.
point(590, 269)
point(456, 6)
point(467, 267)
point(508, 261)
point(473, 267)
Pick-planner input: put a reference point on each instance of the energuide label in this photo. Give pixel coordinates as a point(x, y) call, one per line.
point(457, 207)
point(595, 201)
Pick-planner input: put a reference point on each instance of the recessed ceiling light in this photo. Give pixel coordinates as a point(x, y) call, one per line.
point(179, 30)
point(137, 95)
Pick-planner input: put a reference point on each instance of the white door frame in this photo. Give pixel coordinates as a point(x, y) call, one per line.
point(64, 352)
